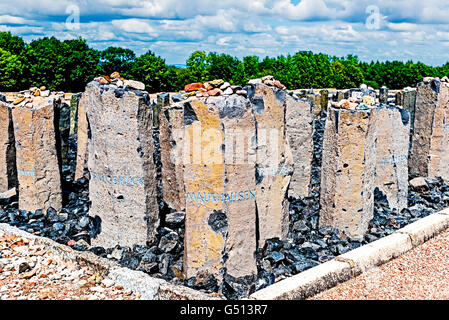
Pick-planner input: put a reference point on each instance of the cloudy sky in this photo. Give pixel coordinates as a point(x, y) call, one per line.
point(373, 30)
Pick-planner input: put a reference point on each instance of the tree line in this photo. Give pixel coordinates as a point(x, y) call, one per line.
point(69, 65)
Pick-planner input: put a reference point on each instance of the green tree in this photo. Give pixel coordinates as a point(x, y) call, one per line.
point(45, 61)
point(117, 59)
point(152, 70)
point(10, 71)
point(81, 64)
point(13, 44)
point(197, 67)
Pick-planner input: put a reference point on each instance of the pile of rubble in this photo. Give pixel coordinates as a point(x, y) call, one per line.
point(120, 82)
point(219, 87)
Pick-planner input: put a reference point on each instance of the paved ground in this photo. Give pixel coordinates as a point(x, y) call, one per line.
point(28, 272)
point(422, 273)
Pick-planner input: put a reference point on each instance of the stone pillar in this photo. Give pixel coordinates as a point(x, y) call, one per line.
point(398, 98)
point(409, 101)
point(429, 155)
point(38, 169)
point(338, 96)
point(347, 176)
point(122, 185)
point(220, 186)
point(74, 101)
point(393, 134)
point(8, 171)
point(162, 99)
point(62, 114)
point(324, 99)
point(274, 161)
point(299, 130)
point(316, 99)
point(81, 139)
point(171, 139)
point(383, 95)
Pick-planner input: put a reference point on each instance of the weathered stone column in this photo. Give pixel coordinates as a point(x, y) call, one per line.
point(316, 99)
point(324, 99)
point(82, 129)
point(409, 101)
point(429, 156)
point(348, 167)
point(74, 101)
point(220, 186)
point(383, 95)
point(299, 131)
point(398, 98)
point(122, 185)
point(8, 171)
point(393, 134)
point(38, 170)
point(63, 118)
point(171, 138)
point(274, 161)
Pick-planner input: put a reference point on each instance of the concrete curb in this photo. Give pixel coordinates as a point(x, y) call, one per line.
point(355, 262)
point(148, 287)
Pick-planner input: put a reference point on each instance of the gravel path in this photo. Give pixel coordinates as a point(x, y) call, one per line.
point(420, 274)
point(29, 272)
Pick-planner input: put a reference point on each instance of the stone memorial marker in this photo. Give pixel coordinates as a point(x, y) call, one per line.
point(220, 186)
point(171, 138)
point(82, 129)
point(8, 170)
point(38, 169)
point(383, 95)
point(299, 119)
point(398, 98)
point(62, 114)
point(429, 155)
point(74, 101)
point(274, 161)
point(348, 167)
point(393, 134)
point(324, 99)
point(409, 101)
point(122, 185)
point(316, 99)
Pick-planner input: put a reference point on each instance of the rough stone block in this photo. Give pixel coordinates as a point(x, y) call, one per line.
point(219, 180)
point(429, 155)
point(409, 100)
point(74, 101)
point(171, 139)
point(347, 176)
point(316, 100)
point(324, 99)
point(82, 129)
point(383, 95)
point(299, 131)
point(122, 185)
point(8, 171)
point(38, 169)
point(274, 161)
point(393, 134)
point(62, 114)
point(398, 98)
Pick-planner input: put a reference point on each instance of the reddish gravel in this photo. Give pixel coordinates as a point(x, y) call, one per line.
point(420, 274)
point(29, 272)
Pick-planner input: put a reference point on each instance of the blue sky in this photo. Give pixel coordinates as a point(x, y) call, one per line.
point(373, 30)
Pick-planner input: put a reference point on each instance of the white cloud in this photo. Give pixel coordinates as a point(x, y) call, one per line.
point(174, 28)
